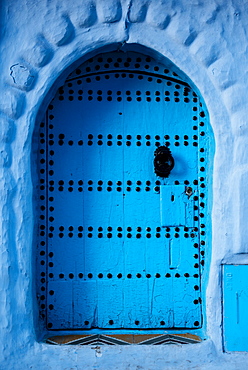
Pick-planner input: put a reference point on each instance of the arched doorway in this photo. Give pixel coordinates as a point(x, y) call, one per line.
point(122, 243)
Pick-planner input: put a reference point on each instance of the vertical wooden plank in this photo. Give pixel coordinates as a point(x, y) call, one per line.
point(187, 314)
point(85, 304)
point(137, 313)
point(160, 302)
point(59, 305)
point(111, 303)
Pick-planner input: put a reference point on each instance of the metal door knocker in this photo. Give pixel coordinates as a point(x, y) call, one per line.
point(163, 161)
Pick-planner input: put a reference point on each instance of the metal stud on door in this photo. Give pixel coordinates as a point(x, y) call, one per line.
point(120, 237)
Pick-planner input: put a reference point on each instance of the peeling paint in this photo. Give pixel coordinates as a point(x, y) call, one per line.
point(22, 76)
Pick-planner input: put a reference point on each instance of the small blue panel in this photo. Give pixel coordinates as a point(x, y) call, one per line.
point(176, 206)
point(235, 303)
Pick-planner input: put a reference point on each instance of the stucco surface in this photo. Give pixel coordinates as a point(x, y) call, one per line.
point(39, 40)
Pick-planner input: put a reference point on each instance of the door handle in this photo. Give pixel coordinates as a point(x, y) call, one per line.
point(163, 161)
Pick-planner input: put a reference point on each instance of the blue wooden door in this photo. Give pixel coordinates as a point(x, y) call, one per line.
point(119, 245)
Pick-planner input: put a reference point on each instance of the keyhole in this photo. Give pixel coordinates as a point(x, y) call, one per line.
point(189, 191)
point(172, 198)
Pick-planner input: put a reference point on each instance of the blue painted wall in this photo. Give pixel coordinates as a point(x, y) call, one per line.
point(40, 41)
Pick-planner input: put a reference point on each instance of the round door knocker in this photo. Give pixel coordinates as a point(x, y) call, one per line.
point(163, 161)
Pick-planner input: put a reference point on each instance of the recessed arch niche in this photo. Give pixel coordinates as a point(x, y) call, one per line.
point(120, 246)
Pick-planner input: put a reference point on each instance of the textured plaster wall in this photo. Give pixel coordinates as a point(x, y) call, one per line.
point(39, 40)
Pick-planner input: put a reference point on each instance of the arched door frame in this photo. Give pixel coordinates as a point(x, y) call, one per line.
point(146, 51)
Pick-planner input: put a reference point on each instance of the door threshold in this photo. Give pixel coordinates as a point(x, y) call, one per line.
point(124, 339)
